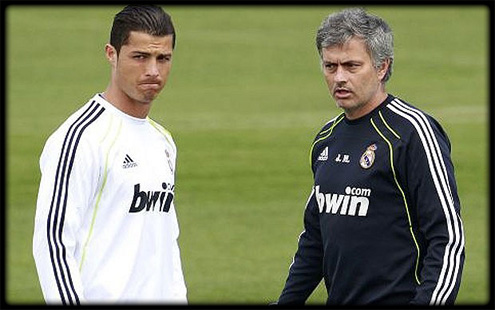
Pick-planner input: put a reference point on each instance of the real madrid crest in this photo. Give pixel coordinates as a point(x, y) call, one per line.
point(368, 157)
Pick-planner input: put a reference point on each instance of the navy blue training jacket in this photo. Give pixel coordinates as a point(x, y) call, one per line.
point(382, 224)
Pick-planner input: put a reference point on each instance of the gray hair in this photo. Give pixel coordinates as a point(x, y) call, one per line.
point(338, 28)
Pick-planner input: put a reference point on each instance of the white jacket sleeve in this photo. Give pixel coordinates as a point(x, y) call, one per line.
point(179, 284)
point(68, 180)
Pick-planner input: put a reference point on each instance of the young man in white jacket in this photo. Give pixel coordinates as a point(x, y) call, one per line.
point(106, 228)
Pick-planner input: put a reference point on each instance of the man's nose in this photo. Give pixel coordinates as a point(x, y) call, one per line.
point(152, 68)
point(340, 75)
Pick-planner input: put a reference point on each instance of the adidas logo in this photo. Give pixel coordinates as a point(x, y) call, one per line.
point(128, 162)
point(324, 154)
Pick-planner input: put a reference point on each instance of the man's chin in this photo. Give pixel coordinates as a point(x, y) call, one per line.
point(343, 103)
point(148, 97)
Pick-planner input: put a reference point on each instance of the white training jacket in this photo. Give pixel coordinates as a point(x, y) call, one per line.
point(105, 228)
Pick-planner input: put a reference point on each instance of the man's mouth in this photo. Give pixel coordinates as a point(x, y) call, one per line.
point(342, 93)
point(150, 85)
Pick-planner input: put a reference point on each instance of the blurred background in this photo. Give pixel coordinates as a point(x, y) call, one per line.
point(244, 101)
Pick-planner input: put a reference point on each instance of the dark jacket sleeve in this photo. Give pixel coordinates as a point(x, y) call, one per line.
point(435, 205)
point(305, 273)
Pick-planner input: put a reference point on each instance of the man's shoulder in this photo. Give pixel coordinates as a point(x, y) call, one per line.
point(327, 128)
point(73, 127)
point(409, 119)
point(163, 132)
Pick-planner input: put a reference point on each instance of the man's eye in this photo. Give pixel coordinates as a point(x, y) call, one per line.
point(330, 67)
point(165, 58)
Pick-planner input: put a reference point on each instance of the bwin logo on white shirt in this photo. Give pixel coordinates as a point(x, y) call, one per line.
point(324, 154)
point(159, 201)
point(355, 198)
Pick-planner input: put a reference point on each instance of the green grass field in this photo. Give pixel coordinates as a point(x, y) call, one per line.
point(244, 100)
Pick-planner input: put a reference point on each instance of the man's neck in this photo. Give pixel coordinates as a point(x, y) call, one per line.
point(367, 108)
point(127, 105)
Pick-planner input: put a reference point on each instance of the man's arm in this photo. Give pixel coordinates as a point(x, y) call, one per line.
point(433, 192)
point(179, 284)
point(305, 271)
point(66, 182)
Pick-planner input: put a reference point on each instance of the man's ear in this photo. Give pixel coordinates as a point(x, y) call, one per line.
point(111, 54)
point(382, 70)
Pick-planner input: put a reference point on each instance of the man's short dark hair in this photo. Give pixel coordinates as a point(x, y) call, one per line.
point(150, 19)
